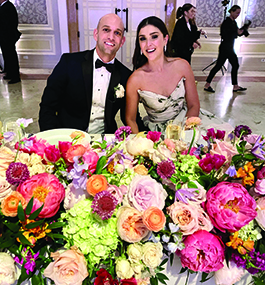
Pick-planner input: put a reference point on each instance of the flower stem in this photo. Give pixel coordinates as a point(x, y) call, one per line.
point(192, 140)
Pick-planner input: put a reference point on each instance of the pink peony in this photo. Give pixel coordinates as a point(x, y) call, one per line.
point(228, 275)
point(210, 162)
point(130, 225)
point(91, 159)
point(154, 136)
point(224, 148)
point(261, 212)
point(39, 146)
point(46, 188)
point(145, 192)
point(230, 206)
point(63, 147)
point(203, 252)
point(69, 267)
point(260, 186)
point(52, 153)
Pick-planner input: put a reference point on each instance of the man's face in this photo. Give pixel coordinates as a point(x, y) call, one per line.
point(109, 36)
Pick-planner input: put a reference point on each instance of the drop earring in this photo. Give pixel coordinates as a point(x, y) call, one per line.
point(165, 48)
point(141, 52)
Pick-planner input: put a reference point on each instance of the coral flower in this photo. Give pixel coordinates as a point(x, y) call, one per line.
point(96, 183)
point(74, 150)
point(10, 203)
point(45, 188)
point(154, 219)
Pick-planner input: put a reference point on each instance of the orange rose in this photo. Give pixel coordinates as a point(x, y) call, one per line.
point(78, 135)
point(10, 203)
point(154, 219)
point(95, 184)
point(75, 150)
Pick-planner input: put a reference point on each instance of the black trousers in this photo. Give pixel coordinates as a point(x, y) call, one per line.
point(224, 54)
point(11, 65)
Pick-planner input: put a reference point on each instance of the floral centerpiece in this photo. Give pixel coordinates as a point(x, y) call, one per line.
point(117, 211)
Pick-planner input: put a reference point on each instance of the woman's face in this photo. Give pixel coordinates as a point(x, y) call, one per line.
point(152, 41)
point(190, 14)
point(235, 14)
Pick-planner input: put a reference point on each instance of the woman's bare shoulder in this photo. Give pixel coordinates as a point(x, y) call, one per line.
point(136, 75)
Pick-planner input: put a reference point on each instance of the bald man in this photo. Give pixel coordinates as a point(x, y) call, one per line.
point(81, 91)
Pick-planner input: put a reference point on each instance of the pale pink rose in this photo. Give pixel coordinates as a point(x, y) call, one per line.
point(192, 122)
point(170, 144)
point(260, 186)
point(261, 212)
point(228, 275)
point(130, 225)
point(145, 192)
point(139, 146)
point(204, 221)
point(73, 196)
point(69, 267)
point(116, 192)
point(46, 189)
point(224, 148)
point(6, 157)
point(185, 216)
point(91, 159)
point(5, 188)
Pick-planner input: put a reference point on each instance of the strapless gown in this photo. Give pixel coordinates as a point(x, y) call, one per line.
point(161, 109)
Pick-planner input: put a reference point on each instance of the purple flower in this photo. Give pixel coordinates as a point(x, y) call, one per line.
point(242, 131)
point(238, 260)
point(261, 173)
point(30, 262)
point(231, 136)
point(231, 171)
point(165, 169)
point(9, 136)
point(17, 173)
point(104, 204)
point(257, 149)
point(211, 162)
point(78, 174)
point(24, 122)
point(153, 136)
point(185, 194)
point(122, 133)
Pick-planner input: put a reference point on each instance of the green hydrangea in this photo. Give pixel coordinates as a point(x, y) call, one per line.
point(124, 178)
point(251, 230)
point(187, 165)
point(96, 238)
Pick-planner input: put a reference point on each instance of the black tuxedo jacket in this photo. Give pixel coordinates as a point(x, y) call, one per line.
point(182, 38)
point(8, 24)
point(67, 98)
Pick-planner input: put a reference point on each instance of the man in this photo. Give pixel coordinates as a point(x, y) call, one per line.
point(80, 92)
point(9, 35)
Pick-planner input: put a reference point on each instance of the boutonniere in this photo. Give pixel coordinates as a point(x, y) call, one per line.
point(119, 91)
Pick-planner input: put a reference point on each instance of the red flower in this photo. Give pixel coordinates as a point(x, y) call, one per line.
point(104, 278)
point(131, 281)
point(52, 153)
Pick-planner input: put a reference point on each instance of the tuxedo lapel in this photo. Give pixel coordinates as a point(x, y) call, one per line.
point(87, 68)
point(110, 98)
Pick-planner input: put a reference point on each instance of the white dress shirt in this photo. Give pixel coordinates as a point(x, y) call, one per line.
point(101, 79)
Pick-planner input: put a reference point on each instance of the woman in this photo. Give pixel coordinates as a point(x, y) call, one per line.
point(185, 35)
point(229, 32)
point(165, 85)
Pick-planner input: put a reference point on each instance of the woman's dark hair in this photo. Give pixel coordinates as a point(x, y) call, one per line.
point(233, 8)
point(185, 8)
point(138, 58)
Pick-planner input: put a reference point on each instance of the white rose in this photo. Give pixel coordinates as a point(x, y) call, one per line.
point(137, 268)
point(35, 158)
point(8, 270)
point(24, 158)
point(134, 252)
point(5, 188)
point(139, 146)
point(124, 269)
point(152, 254)
point(119, 91)
point(37, 169)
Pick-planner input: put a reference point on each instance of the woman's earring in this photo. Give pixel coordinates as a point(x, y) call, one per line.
point(165, 48)
point(141, 52)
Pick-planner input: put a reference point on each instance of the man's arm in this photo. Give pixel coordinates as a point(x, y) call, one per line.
point(53, 96)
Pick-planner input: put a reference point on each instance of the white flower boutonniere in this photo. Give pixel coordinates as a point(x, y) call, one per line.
point(119, 91)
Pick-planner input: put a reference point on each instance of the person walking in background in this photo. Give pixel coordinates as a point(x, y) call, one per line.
point(185, 35)
point(9, 35)
point(229, 32)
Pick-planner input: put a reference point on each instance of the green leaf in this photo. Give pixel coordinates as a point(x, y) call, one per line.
point(192, 185)
point(249, 156)
point(53, 235)
point(35, 280)
point(20, 212)
point(163, 262)
point(13, 227)
point(100, 164)
point(56, 225)
point(153, 281)
point(23, 239)
point(29, 206)
point(8, 243)
point(34, 225)
point(161, 276)
point(35, 214)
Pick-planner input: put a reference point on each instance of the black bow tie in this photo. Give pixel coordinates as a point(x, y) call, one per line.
point(108, 66)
